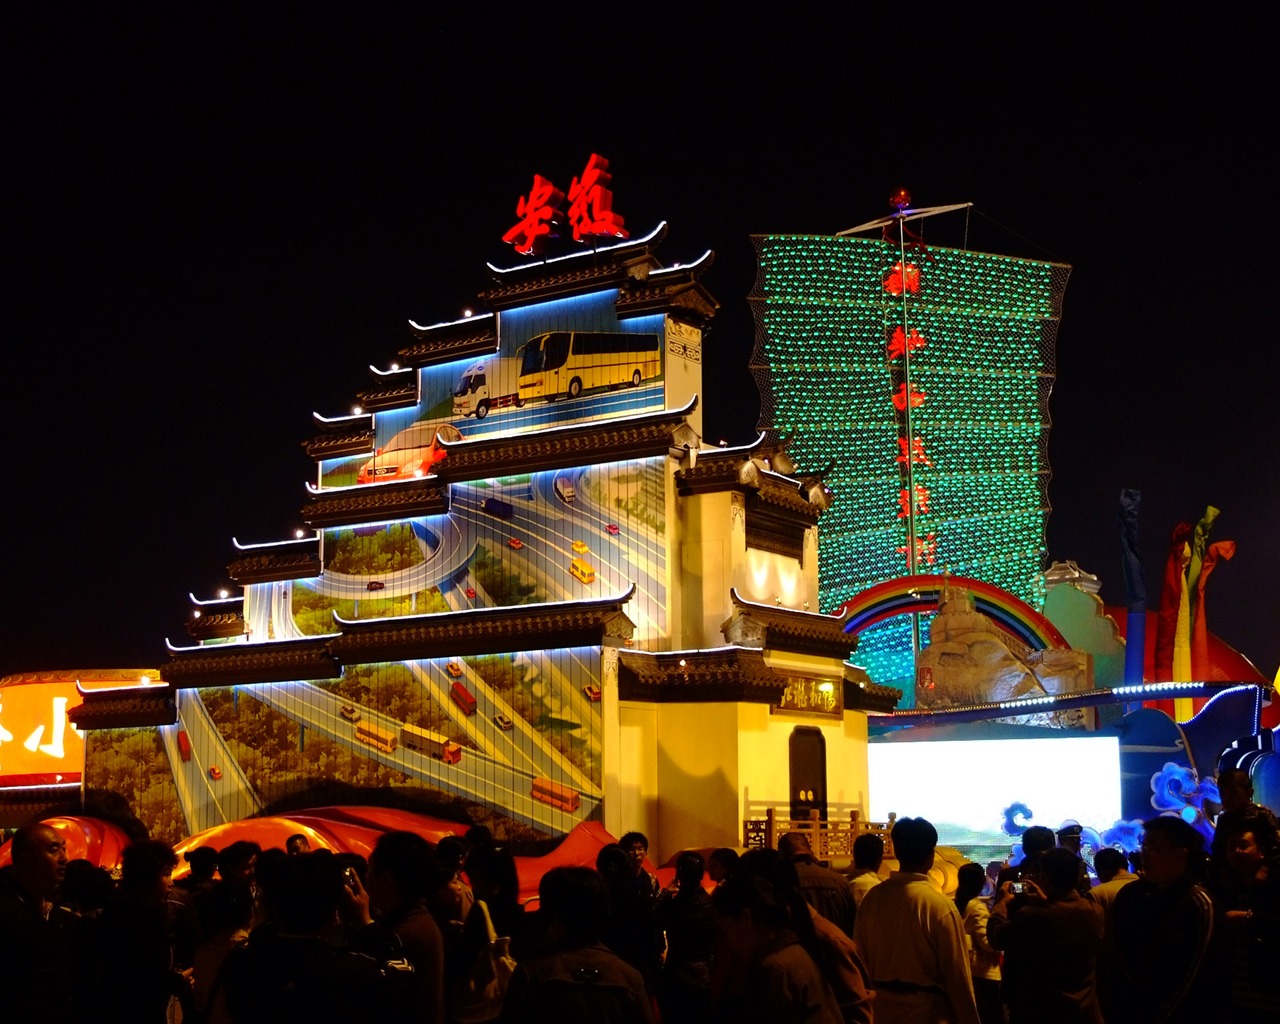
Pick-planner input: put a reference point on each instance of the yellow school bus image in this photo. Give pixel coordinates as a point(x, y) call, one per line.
point(564, 364)
point(583, 570)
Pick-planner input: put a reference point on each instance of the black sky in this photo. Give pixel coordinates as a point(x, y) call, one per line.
point(217, 224)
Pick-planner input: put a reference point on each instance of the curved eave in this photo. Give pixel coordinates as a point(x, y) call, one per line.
point(727, 675)
point(584, 444)
point(787, 495)
point(240, 664)
point(443, 343)
point(270, 568)
point(216, 627)
point(375, 503)
point(295, 543)
point(213, 602)
point(594, 253)
point(574, 274)
point(388, 396)
point(369, 641)
point(734, 469)
point(731, 675)
point(335, 445)
point(785, 629)
point(486, 631)
point(125, 710)
point(676, 291)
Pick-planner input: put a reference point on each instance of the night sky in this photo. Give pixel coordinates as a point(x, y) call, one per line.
point(217, 225)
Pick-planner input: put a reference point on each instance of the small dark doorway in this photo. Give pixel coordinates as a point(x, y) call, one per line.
point(808, 772)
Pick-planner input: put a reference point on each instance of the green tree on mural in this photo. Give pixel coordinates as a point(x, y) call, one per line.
point(132, 763)
point(500, 583)
point(359, 553)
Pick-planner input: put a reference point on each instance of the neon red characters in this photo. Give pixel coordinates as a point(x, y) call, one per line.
point(922, 502)
point(918, 456)
point(590, 213)
point(901, 343)
point(541, 214)
point(591, 203)
point(926, 550)
point(903, 278)
point(901, 397)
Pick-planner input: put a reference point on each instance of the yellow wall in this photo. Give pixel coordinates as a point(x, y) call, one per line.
point(688, 774)
point(769, 578)
point(698, 768)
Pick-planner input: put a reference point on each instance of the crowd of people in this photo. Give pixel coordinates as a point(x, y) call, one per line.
point(437, 932)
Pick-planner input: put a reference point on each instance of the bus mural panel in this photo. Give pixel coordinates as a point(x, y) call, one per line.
point(568, 364)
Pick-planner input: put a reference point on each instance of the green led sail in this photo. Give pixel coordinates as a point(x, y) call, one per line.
point(837, 320)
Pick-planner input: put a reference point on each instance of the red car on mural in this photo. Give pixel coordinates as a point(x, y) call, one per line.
point(410, 454)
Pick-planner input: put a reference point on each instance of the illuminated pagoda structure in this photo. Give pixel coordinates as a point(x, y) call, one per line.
point(529, 595)
point(916, 379)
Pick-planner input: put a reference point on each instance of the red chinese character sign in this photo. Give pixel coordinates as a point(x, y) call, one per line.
point(901, 343)
point(590, 212)
point(541, 213)
point(591, 203)
point(903, 279)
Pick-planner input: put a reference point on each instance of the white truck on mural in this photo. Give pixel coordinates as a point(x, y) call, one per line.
point(492, 383)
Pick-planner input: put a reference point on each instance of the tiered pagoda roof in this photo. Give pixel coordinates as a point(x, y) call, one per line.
point(125, 709)
point(289, 560)
point(719, 675)
point(396, 389)
point(579, 444)
point(487, 631)
point(779, 507)
point(355, 506)
point(435, 635)
point(343, 435)
point(742, 673)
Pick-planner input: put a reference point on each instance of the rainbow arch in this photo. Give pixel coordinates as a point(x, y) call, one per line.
point(909, 594)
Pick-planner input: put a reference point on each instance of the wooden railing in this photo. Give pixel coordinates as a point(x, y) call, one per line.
point(831, 841)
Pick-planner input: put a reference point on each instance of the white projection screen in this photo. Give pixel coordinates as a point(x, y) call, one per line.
point(975, 791)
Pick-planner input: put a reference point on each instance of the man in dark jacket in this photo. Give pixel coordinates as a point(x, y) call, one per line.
point(403, 870)
point(297, 967)
point(579, 979)
point(825, 890)
point(36, 937)
point(1050, 936)
point(1167, 930)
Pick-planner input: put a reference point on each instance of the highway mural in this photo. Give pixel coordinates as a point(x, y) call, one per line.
point(509, 736)
point(513, 736)
point(536, 538)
